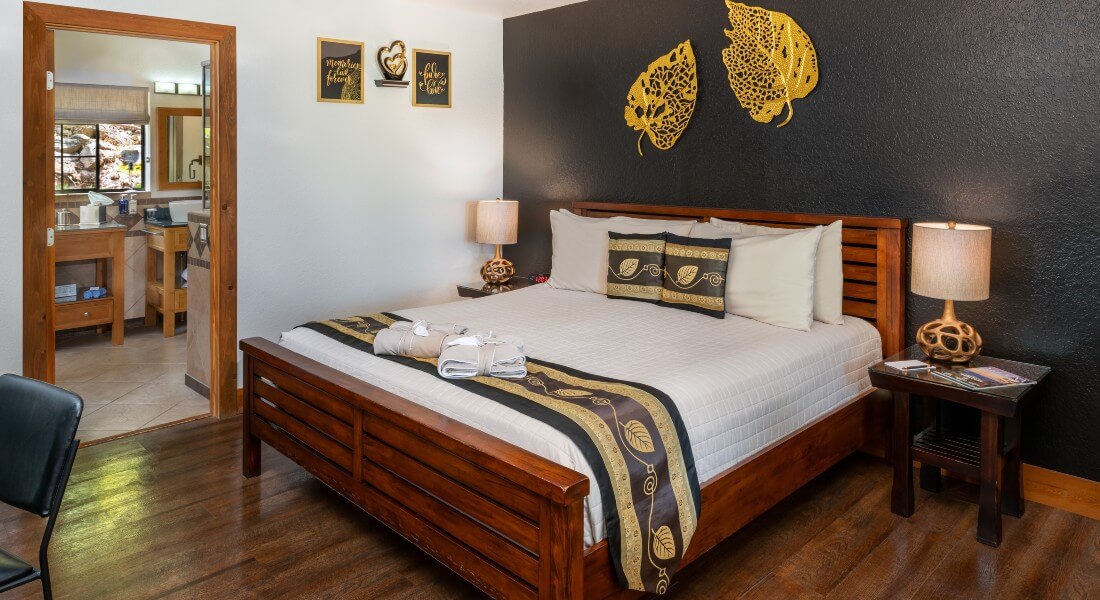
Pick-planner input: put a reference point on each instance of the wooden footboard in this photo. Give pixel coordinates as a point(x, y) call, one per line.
point(503, 518)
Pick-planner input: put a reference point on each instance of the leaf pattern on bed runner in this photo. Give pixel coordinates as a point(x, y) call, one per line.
point(634, 432)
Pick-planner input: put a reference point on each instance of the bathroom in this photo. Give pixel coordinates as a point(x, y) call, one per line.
point(132, 245)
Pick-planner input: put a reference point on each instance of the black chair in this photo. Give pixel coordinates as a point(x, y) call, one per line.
point(37, 446)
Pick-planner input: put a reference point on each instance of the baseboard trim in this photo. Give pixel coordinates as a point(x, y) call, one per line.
point(1059, 490)
point(196, 385)
point(1054, 489)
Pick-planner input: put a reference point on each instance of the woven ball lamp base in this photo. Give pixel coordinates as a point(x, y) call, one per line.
point(948, 339)
point(498, 269)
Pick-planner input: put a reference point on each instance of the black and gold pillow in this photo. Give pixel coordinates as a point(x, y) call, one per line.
point(695, 274)
point(634, 263)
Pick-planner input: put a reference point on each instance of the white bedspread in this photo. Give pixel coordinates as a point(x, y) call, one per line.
point(740, 385)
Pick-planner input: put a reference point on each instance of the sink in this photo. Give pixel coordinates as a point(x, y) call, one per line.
point(180, 208)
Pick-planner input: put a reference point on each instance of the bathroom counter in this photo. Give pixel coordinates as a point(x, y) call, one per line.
point(96, 227)
point(165, 223)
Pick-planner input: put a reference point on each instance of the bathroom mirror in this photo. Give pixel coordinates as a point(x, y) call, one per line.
point(179, 148)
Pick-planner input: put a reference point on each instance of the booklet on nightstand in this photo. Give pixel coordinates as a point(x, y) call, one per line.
point(910, 366)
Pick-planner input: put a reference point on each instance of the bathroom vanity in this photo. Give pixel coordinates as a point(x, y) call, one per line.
point(104, 243)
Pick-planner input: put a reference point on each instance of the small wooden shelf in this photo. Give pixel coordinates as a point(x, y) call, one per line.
point(162, 294)
point(390, 83)
point(955, 452)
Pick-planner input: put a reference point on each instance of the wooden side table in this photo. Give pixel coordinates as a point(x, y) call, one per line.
point(993, 457)
point(482, 289)
point(105, 242)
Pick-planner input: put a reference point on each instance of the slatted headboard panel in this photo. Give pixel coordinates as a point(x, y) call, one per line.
point(874, 255)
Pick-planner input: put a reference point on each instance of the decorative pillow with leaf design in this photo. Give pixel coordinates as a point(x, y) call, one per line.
point(634, 265)
point(695, 274)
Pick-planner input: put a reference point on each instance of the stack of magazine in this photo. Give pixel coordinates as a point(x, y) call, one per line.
point(982, 378)
point(974, 378)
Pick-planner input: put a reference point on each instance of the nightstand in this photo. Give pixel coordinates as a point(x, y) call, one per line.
point(992, 457)
point(482, 289)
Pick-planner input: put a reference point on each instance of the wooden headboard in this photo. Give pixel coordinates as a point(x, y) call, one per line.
point(874, 255)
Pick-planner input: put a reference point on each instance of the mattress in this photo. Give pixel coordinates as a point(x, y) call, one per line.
point(740, 385)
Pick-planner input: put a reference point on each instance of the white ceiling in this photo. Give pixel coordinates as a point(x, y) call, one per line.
point(499, 8)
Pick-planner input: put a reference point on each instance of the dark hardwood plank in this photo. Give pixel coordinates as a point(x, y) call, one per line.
point(168, 515)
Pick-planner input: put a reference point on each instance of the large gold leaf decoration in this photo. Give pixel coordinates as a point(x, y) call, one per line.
point(771, 61)
point(661, 101)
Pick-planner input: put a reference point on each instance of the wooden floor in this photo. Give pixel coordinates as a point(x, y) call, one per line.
point(167, 515)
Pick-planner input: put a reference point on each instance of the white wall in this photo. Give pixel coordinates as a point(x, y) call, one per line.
point(81, 57)
point(343, 208)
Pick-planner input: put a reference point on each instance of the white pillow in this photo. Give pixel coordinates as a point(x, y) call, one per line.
point(674, 223)
point(708, 231)
point(577, 217)
point(829, 274)
point(771, 278)
point(580, 248)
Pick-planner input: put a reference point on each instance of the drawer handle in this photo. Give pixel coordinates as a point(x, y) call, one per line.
point(87, 314)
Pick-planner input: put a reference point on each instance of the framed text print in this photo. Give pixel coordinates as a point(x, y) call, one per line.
point(339, 71)
point(431, 78)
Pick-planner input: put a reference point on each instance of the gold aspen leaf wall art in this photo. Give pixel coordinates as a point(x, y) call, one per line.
point(662, 100)
point(771, 61)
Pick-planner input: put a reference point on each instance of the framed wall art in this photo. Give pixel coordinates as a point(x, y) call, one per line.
point(431, 78)
point(339, 71)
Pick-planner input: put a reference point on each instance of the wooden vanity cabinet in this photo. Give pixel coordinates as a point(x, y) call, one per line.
point(162, 294)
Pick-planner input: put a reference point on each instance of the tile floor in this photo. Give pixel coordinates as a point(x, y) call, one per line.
point(130, 387)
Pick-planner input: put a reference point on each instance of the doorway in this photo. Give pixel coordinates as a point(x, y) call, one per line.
point(40, 23)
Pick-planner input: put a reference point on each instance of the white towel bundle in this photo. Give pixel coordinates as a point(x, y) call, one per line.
point(483, 354)
point(419, 339)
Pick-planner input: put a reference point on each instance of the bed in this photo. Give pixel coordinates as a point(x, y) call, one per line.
point(513, 511)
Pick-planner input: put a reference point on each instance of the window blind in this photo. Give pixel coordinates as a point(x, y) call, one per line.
point(81, 103)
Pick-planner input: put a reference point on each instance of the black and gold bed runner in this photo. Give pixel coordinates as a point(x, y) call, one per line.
point(648, 481)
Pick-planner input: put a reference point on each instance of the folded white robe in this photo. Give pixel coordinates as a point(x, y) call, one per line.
point(480, 355)
point(419, 340)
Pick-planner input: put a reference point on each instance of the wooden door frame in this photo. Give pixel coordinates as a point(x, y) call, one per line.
point(39, 20)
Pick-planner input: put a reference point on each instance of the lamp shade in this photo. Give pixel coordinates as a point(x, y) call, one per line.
point(951, 262)
point(497, 221)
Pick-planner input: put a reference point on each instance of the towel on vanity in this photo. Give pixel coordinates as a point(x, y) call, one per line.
point(418, 340)
point(480, 355)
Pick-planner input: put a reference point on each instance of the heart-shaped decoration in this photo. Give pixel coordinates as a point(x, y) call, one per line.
point(392, 61)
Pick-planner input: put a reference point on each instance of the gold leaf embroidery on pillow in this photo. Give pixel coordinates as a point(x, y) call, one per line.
point(662, 100)
point(686, 274)
point(628, 267)
point(638, 436)
point(771, 61)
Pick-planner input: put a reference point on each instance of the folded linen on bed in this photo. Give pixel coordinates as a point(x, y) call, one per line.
point(482, 355)
point(419, 339)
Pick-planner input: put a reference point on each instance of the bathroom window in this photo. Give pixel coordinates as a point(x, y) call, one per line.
point(99, 157)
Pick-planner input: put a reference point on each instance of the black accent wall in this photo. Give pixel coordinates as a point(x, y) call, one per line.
point(983, 111)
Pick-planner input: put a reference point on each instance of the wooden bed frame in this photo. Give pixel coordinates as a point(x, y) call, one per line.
point(511, 522)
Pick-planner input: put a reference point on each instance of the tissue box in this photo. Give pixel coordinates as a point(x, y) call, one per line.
point(64, 291)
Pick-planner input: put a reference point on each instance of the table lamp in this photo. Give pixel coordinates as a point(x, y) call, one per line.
point(950, 262)
point(497, 221)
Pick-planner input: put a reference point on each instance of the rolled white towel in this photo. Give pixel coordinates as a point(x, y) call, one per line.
point(419, 340)
point(479, 355)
